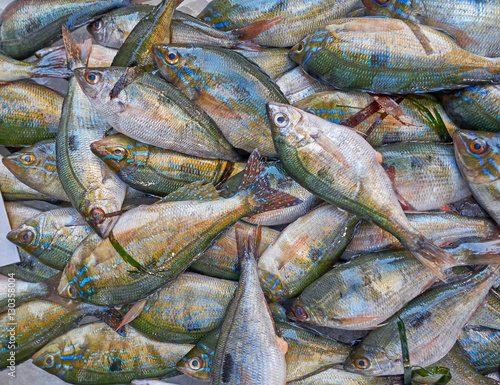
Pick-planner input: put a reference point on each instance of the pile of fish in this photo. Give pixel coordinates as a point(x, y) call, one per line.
point(221, 195)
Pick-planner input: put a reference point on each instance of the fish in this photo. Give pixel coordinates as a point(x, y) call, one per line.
point(280, 181)
point(336, 376)
point(473, 25)
point(29, 113)
point(273, 61)
point(369, 289)
point(477, 158)
point(221, 259)
point(298, 19)
point(93, 189)
point(158, 171)
point(473, 108)
point(193, 212)
point(297, 85)
point(338, 106)
point(424, 59)
point(28, 25)
point(14, 292)
point(150, 110)
point(51, 236)
point(304, 251)
point(433, 323)
point(248, 328)
point(338, 165)
point(425, 176)
point(230, 88)
point(481, 346)
point(488, 314)
point(185, 310)
point(95, 354)
point(50, 66)
point(442, 228)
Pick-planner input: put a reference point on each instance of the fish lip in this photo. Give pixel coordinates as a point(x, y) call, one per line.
point(8, 161)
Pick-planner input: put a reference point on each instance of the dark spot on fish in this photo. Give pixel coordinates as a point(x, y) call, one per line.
point(315, 255)
point(116, 366)
point(379, 60)
point(71, 143)
point(420, 319)
point(227, 368)
point(367, 281)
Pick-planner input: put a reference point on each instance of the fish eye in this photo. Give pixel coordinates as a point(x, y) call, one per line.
point(300, 47)
point(48, 361)
point(172, 57)
point(280, 120)
point(97, 215)
point(119, 152)
point(362, 363)
point(71, 292)
point(194, 363)
point(26, 236)
point(28, 159)
point(97, 25)
point(299, 313)
point(92, 77)
point(478, 146)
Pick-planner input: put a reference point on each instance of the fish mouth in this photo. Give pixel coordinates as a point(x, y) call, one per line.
point(11, 164)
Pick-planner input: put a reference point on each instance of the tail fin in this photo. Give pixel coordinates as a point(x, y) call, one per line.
point(248, 244)
point(246, 34)
point(431, 256)
point(261, 197)
point(477, 253)
point(52, 65)
point(77, 54)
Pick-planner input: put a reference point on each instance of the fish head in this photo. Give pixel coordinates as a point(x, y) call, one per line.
point(298, 52)
point(371, 361)
point(103, 30)
point(27, 163)
point(398, 9)
point(119, 151)
point(100, 210)
point(196, 364)
point(179, 64)
point(27, 236)
point(478, 155)
point(299, 311)
point(51, 357)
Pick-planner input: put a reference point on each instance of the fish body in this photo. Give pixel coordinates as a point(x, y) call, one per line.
point(369, 289)
point(273, 61)
point(233, 90)
point(248, 328)
point(425, 176)
point(153, 112)
point(474, 108)
point(433, 323)
point(29, 25)
point(482, 347)
point(16, 292)
point(29, 112)
point(296, 85)
point(477, 156)
point(96, 354)
point(336, 106)
point(185, 310)
point(159, 171)
point(337, 376)
point(473, 25)
point(402, 57)
point(298, 18)
point(339, 166)
point(488, 315)
point(304, 251)
point(441, 228)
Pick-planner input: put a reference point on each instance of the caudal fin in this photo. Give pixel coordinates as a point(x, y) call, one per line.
point(77, 54)
point(477, 253)
point(246, 34)
point(248, 244)
point(261, 197)
point(52, 65)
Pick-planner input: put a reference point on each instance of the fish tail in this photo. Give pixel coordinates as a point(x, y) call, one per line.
point(248, 244)
point(246, 34)
point(77, 54)
point(261, 197)
point(52, 65)
point(430, 255)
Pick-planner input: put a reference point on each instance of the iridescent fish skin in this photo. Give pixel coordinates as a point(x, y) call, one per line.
point(441, 228)
point(473, 25)
point(152, 111)
point(185, 310)
point(336, 106)
point(304, 251)
point(395, 62)
point(29, 25)
point(230, 88)
point(478, 158)
point(50, 66)
point(273, 61)
point(474, 108)
point(433, 323)
point(297, 85)
point(52, 236)
point(156, 170)
point(488, 315)
point(36, 167)
point(23, 291)
point(339, 166)
point(221, 259)
point(96, 354)
point(29, 112)
point(337, 376)
point(425, 176)
point(482, 346)
point(298, 18)
point(369, 289)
